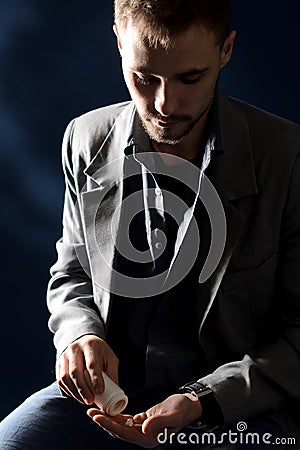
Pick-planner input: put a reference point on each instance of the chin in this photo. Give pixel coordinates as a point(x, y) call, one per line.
point(167, 138)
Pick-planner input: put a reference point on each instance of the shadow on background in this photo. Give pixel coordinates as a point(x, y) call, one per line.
point(59, 60)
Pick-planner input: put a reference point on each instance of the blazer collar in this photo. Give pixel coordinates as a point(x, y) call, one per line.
point(107, 165)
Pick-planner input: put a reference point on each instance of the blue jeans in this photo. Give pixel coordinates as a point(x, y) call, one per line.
point(49, 420)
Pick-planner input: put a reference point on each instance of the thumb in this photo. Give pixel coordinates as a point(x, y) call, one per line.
point(140, 418)
point(157, 422)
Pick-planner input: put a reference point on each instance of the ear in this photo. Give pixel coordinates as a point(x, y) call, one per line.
point(117, 33)
point(227, 49)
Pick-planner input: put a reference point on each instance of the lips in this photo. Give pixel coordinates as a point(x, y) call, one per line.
point(166, 123)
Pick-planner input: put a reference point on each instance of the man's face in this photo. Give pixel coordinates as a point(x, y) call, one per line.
point(172, 89)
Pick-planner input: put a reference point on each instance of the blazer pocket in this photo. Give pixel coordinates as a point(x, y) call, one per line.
point(237, 279)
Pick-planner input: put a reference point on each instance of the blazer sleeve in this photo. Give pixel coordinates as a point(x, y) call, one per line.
point(268, 376)
point(70, 292)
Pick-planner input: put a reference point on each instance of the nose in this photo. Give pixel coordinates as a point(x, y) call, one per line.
point(165, 99)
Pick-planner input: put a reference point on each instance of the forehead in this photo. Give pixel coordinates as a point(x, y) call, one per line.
point(195, 47)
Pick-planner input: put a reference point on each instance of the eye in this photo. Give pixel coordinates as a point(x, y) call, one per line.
point(145, 80)
point(192, 79)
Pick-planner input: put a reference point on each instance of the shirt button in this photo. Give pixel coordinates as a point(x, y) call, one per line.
point(158, 245)
point(157, 191)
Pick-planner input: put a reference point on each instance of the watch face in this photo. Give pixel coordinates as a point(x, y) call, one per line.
point(193, 393)
point(195, 389)
point(200, 391)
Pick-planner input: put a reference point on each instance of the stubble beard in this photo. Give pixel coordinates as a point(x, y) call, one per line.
point(167, 136)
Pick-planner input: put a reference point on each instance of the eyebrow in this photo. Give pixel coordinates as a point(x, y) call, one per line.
point(188, 73)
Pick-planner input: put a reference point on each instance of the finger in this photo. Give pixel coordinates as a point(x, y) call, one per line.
point(68, 391)
point(119, 418)
point(64, 382)
point(93, 412)
point(68, 386)
point(129, 434)
point(87, 377)
point(120, 430)
point(94, 367)
point(76, 369)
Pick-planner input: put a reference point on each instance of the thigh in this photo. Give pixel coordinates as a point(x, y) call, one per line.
point(50, 420)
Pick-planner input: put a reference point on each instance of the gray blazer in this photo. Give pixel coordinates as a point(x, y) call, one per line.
point(249, 313)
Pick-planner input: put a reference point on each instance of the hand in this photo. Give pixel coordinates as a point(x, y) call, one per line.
point(174, 413)
point(116, 427)
point(87, 353)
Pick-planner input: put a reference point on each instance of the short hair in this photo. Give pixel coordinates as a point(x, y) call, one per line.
point(160, 20)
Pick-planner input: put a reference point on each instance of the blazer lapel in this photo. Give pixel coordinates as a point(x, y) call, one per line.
point(102, 201)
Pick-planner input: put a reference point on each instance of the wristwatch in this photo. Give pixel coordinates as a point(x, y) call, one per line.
point(211, 411)
point(196, 389)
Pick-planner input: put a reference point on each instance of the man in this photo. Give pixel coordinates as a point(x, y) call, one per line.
point(213, 338)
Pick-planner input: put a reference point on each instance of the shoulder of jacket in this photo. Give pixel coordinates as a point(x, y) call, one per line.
point(265, 122)
point(271, 136)
point(99, 120)
point(87, 132)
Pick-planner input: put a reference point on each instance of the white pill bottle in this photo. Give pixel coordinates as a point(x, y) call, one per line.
point(113, 399)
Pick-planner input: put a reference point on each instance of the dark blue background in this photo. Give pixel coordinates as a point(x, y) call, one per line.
point(59, 59)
